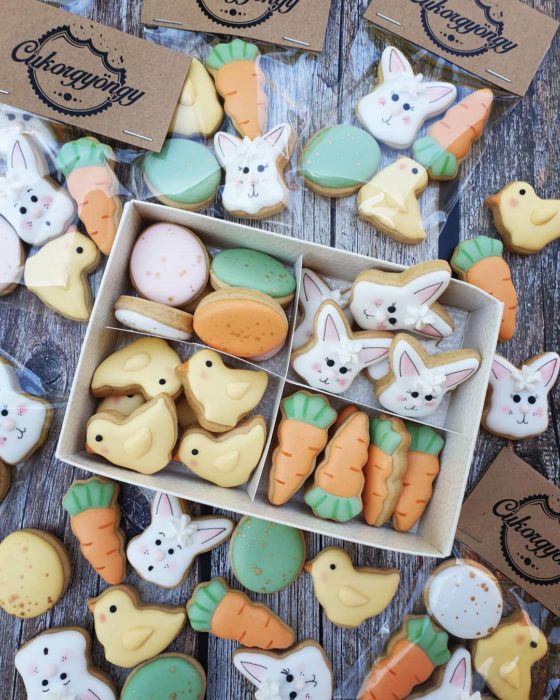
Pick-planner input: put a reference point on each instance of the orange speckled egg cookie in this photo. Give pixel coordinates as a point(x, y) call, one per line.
point(241, 322)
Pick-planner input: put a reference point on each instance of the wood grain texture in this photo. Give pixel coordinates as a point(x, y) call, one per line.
point(322, 91)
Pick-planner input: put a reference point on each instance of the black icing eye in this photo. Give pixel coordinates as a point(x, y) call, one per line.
point(289, 678)
point(343, 370)
point(4, 412)
point(11, 116)
point(261, 168)
point(392, 321)
point(395, 97)
point(406, 106)
point(333, 567)
point(391, 309)
point(163, 381)
point(63, 676)
point(170, 551)
point(26, 117)
point(428, 397)
point(414, 394)
point(534, 645)
point(246, 169)
point(22, 210)
point(34, 198)
point(516, 398)
point(150, 568)
point(99, 438)
point(330, 363)
point(532, 399)
point(522, 191)
point(293, 695)
point(113, 609)
point(44, 683)
point(45, 651)
point(415, 171)
point(208, 363)
point(158, 542)
point(194, 452)
point(79, 250)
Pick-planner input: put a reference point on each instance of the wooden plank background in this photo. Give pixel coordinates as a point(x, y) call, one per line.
point(522, 145)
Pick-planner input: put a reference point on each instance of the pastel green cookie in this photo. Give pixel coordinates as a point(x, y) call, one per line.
point(242, 267)
point(185, 174)
point(338, 160)
point(165, 677)
point(266, 557)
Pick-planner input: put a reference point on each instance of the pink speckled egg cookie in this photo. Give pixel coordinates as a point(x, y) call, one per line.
point(169, 264)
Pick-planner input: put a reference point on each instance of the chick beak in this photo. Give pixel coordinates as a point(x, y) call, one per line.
point(182, 370)
point(89, 450)
point(308, 566)
point(493, 200)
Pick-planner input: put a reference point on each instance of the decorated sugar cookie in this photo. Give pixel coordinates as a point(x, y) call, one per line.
point(123, 404)
point(151, 317)
point(58, 664)
point(456, 683)
point(304, 671)
point(333, 358)
point(14, 122)
point(517, 400)
point(167, 676)
point(392, 301)
point(390, 201)
point(165, 552)
point(12, 257)
point(199, 110)
point(402, 101)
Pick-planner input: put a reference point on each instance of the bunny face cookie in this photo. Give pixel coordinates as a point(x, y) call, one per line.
point(255, 186)
point(33, 204)
point(516, 403)
point(24, 419)
point(456, 683)
point(165, 552)
point(57, 664)
point(402, 101)
point(418, 382)
point(14, 122)
point(334, 357)
point(391, 301)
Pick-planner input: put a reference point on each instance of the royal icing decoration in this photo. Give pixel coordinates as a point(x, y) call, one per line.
point(168, 676)
point(335, 356)
point(255, 184)
point(32, 203)
point(11, 259)
point(56, 665)
point(13, 123)
point(303, 673)
point(457, 680)
point(402, 101)
point(394, 301)
point(516, 404)
point(164, 553)
point(199, 110)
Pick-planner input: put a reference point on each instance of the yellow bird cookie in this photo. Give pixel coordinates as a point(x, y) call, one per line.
point(142, 441)
point(131, 631)
point(228, 459)
point(525, 221)
point(199, 110)
point(349, 595)
point(389, 201)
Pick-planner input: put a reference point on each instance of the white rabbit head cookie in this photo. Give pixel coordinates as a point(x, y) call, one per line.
point(164, 553)
point(24, 419)
point(418, 382)
point(335, 356)
point(14, 122)
point(517, 399)
point(255, 186)
point(34, 205)
point(391, 301)
point(303, 673)
point(457, 680)
point(402, 101)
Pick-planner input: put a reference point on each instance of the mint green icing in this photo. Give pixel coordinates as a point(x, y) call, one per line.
point(183, 171)
point(266, 557)
point(429, 153)
point(203, 604)
point(242, 267)
point(339, 157)
point(329, 507)
point(167, 677)
point(82, 153)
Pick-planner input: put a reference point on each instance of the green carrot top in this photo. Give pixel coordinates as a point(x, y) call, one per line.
point(236, 50)
point(205, 600)
point(420, 631)
point(383, 436)
point(83, 153)
point(93, 493)
point(468, 253)
point(309, 408)
point(424, 439)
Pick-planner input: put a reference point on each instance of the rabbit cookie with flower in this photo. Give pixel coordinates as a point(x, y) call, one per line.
point(417, 382)
point(332, 359)
point(516, 403)
point(402, 101)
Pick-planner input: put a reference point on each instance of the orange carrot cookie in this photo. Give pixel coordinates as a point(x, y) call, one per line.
point(385, 468)
point(302, 435)
point(94, 518)
point(450, 139)
point(339, 480)
point(229, 614)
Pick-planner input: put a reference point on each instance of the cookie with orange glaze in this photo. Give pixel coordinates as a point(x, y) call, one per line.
point(241, 322)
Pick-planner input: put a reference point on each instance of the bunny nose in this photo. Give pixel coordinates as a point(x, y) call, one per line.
point(299, 684)
point(49, 671)
point(159, 555)
point(524, 408)
point(380, 316)
point(395, 109)
point(330, 374)
point(8, 425)
point(35, 213)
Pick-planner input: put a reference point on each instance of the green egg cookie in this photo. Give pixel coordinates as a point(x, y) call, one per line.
point(167, 676)
point(338, 160)
point(242, 267)
point(185, 174)
point(266, 557)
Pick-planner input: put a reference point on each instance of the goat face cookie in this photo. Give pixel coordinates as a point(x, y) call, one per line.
point(392, 301)
point(167, 676)
point(401, 102)
point(24, 419)
point(58, 664)
point(516, 403)
point(335, 356)
point(156, 319)
point(165, 552)
point(12, 258)
point(255, 186)
point(304, 671)
point(418, 381)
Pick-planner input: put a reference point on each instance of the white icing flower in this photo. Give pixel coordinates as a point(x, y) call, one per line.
point(418, 88)
point(430, 383)
point(418, 316)
point(11, 185)
point(269, 690)
point(182, 529)
point(525, 378)
point(348, 352)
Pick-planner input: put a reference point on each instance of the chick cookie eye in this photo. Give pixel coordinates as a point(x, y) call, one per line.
point(208, 363)
point(415, 171)
point(99, 438)
point(534, 645)
point(79, 250)
point(194, 452)
point(333, 567)
point(113, 609)
point(522, 191)
point(163, 381)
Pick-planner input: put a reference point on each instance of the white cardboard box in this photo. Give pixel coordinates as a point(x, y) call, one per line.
point(480, 316)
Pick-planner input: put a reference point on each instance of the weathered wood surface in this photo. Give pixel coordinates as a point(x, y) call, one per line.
point(523, 146)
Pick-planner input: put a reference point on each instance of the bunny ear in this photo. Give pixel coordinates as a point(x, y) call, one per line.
point(459, 676)
point(205, 535)
point(501, 369)
point(311, 288)
point(458, 372)
point(394, 63)
point(253, 666)
point(22, 156)
point(375, 352)
point(166, 506)
point(330, 327)
point(406, 361)
point(427, 288)
point(226, 146)
point(548, 366)
point(443, 93)
point(279, 138)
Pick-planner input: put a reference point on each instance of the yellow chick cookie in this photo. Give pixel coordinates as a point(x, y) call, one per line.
point(350, 595)
point(57, 274)
point(389, 201)
point(525, 221)
point(142, 441)
point(131, 631)
point(199, 110)
point(226, 460)
point(504, 659)
point(146, 366)
point(220, 396)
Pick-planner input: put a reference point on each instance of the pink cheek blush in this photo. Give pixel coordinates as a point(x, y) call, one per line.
point(401, 397)
point(381, 100)
point(539, 413)
point(378, 302)
point(513, 202)
point(21, 410)
point(316, 366)
point(406, 120)
point(505, 410)
point(342, 382)
point(402, 165)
